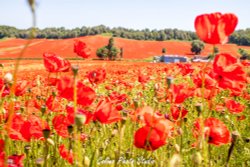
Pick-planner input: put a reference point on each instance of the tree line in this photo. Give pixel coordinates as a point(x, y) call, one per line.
point(240, 37)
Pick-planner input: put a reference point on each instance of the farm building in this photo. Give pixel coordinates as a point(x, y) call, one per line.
point(173, 59)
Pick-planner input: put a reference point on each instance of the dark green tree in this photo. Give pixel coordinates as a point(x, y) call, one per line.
point(121, 53)
point(102, 52)
point(109, 51)
point(111, 43)
point(244, 54)
point(197, 46)
point(163, 51)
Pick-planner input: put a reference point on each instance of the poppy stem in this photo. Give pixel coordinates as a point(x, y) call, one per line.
point(13, 87)
point(209, 155)
point(235, 135)
point(46, 149)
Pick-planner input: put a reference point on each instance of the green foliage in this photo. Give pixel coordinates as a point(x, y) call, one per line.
point(102, 52)
point(61, 33)
point(241, 37)
point(244, 54)
point(109, 51)
point(164, 50)
point(197, 46)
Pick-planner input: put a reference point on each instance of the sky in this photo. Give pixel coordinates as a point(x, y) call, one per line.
point(136, 14)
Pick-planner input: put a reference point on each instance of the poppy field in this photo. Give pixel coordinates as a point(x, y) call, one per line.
point(60, 112)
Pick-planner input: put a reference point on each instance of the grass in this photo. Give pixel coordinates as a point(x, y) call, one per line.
point(107, 34)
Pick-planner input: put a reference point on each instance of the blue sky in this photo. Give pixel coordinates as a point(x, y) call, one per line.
point(136, 14)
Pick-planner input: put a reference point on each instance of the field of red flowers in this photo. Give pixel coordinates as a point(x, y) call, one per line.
point(133, 49)
point(57, 112)
point(121, 105)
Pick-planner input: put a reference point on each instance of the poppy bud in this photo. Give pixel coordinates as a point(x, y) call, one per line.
point(175, 161)
point(43, 109)
point(157, 86)
point(199, 108)
point(80, 120)
point(86, 161)
point(114, 133)
point(39, 161)
point(54, 94)
point(32, 4)
point(70, 129)
point(51, 142)
point(247, 140)
point(136, 103)
point(38, 81)
point(169, 81)
point(27, 149)
point(8, 78)
point(46, 133)
point(177, 148)
point(235, 135)
point(75, 69)
point(167, 116)
point(180, 131)
point(197, 158)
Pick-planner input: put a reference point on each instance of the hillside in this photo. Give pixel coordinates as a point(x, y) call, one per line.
point(133, 49)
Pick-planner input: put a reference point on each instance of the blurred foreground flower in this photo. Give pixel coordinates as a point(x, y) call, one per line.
point(215, 28)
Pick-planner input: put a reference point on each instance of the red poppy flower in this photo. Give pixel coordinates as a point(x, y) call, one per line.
point(33, 128)
point(117, 97)
point(142, 78)
point(2, 153)
point(97, 76)
point(185, 68)
point(52, 81)
point(149, 138)
point(106, 112)
point(119, 107)
point(66, 154)
point(81, 49)
point(215, 28)
point(138, 115)
point(1, 145)
point(234, 107)
point(54, 104)
point(109, 87)
point(54, 63)
point(245, 63)
point(178, 112)
point(209, 82)
point(180, 92)
point(61, 123)
point(4, 89)
point(215, 130)
point(17, 123)
point(21, 87)
point(85, 94)
point(25, 130)
point(228, 72)
point(15, 160)
point(155, 131)
point(2, 156)
point(159, 122)
point(206, 93)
